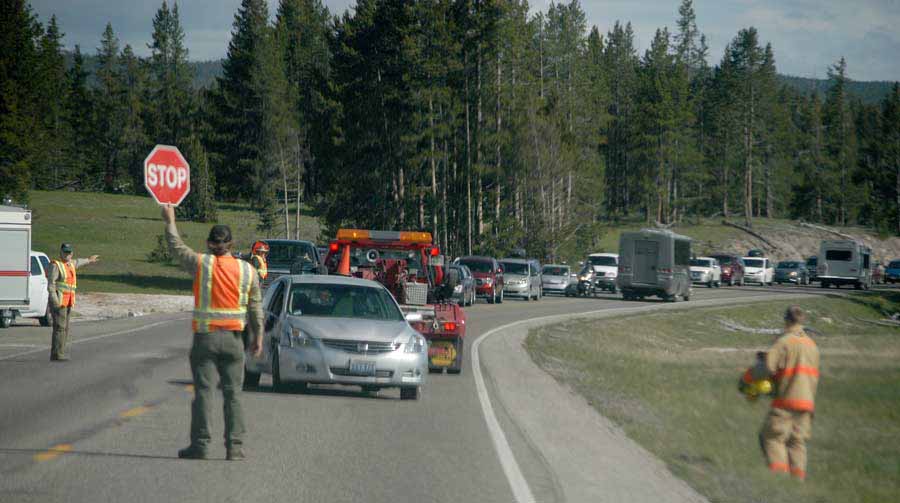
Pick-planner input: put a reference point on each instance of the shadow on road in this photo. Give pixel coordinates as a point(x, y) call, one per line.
point(324, 390)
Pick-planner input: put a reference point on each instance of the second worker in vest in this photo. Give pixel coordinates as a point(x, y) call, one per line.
point(794, 362)
point(63, 282)
point(258, 258)
point(226, 300)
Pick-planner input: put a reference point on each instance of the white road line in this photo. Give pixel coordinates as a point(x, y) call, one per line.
point(94, 338)
point(518, 484)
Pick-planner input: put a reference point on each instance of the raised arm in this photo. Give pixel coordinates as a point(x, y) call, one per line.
point(183, 253)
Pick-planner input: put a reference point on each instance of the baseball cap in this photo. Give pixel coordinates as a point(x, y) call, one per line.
point(67, 248)
point(219, 234)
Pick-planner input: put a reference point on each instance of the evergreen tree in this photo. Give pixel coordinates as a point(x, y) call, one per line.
point(199, 205)
point(134, 144)
point(840, 138)
point(169, 120)
point(51, 83)
point(110, 113)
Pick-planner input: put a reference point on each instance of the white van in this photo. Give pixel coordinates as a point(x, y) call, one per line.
point(39, 300)
point(606, 269)
point(758, 270)
point(845, 262)
point(15, 262)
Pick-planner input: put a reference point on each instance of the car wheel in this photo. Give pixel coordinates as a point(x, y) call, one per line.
point(251, 379)
point(409, 393)
point(709, 284)
point(47, 319)
point(5, 321)
point(718, 284)
point(371, 390)
point(277, 384)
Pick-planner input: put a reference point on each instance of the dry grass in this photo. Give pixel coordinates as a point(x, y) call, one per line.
point(670, 381)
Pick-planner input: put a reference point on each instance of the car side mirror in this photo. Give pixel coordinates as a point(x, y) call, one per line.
point(414, 318)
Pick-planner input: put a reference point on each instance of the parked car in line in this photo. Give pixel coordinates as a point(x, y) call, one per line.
point(522, 278)
point(555, 278)
point(606, 269)
point(812, 265)
point(758, 270)
point(792, 271)
point(706, 271)
point(488, 275)
point(291, 256)
point(464, 291)
point(892, 272)
point(654, 262)
point(845, 262)
point(338, 330)
point(732, 268)
point(878, 274)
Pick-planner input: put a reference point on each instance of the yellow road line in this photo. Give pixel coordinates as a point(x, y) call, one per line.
point(137, 411)
point(53, 452)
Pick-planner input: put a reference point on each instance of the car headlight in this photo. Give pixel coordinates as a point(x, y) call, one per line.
point(457, 289)
point(415, 344)
point(299, 338)
point(488, 281)
point(793, 274)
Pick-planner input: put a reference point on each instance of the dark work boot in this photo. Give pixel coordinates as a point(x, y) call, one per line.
point(235, 453)
point(192, 452)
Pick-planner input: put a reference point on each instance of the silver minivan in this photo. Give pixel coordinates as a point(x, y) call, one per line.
point(654, 262)
point(522, 278)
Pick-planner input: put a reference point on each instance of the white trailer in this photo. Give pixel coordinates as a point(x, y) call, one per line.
point(15, 262)
point(845, 262)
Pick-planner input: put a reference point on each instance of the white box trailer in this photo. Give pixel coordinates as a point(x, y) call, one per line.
point(654, 262)
point(15, 262)
point(844, 262)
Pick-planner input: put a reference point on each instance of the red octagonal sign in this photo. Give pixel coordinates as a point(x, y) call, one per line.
point(167, 175)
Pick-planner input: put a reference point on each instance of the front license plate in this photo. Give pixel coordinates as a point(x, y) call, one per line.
point(362, 368)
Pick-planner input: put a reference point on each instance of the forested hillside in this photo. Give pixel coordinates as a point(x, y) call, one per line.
point(490, 126)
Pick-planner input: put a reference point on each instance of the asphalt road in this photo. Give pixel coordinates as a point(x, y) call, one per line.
point(106, 425)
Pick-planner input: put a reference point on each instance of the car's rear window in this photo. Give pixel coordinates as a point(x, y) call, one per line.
point(839, 255)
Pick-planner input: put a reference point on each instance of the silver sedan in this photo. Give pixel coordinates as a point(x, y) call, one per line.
point(338, 330)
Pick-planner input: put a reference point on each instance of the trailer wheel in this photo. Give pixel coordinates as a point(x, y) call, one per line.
point(409, 393)
point(5, 321)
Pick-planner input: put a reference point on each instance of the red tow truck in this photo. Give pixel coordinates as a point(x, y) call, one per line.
point(412, 269)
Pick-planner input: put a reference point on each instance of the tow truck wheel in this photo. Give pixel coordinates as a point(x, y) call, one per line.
point(409, 393)
point(251, 379)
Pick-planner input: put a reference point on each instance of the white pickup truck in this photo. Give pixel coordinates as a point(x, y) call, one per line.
point(23, 273)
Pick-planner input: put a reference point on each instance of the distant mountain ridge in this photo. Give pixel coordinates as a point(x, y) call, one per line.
point(205, 73)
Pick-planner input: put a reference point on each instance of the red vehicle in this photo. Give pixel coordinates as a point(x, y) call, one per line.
point(488, 277)
point(732, 268)
point(411, 268)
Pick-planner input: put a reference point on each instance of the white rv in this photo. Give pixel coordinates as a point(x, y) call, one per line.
point(654, 262)
point(15, 262)
point(844, 262)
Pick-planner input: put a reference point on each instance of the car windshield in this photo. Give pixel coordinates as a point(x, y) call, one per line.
point(753, 262)
point(477, 265)
point(343, 301)
point(515, 268)
point(895, 264)
point(283, 255)
point(606, 261)
point(698, 262)
point(788, 265)
point(556, 271)
point(724, 259)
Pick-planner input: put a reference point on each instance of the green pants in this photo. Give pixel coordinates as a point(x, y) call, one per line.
point(60, 331)
point(223, 353)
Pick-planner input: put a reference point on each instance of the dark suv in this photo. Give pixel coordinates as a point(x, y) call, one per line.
point(732, 268)
point(488, 277)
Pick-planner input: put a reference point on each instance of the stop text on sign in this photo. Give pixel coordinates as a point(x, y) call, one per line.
point(172, 177)
point(167, 175)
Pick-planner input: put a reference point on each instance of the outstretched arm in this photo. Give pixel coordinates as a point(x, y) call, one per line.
point(183, 253)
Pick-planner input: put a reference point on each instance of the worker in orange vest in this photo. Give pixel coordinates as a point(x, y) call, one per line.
point(226, 300)
point(258, 259)
point(63, 282)
point(793, 362)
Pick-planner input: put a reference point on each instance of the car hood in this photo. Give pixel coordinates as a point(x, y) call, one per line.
point(555, 278)
point(749, 268)
point(700, 269)
point(351, 329)
point(514, 277)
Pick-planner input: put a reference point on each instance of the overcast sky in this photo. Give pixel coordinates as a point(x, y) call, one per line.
point(807, 35)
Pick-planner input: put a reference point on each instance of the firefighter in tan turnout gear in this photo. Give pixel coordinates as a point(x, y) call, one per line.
point(793, 361)
point(226, 300)
point(258, 258)
point(63, 282)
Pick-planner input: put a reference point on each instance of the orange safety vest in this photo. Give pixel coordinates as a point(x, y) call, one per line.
point(261, 267)
point(67, 283)
point(221, 292)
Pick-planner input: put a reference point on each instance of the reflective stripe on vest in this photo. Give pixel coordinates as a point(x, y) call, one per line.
point(67, 283)
point(261, 266)
point(221, 293)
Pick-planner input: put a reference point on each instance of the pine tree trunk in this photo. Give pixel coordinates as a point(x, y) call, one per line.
point(468, 162)
point(497, 152)
point(287, 221)
point(434, 213)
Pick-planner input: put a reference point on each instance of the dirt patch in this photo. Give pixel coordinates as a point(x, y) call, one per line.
point(106, 306)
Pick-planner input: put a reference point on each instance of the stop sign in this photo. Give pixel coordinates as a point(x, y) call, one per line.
point(167, 175)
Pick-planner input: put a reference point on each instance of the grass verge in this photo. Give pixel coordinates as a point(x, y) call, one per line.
point(670, 381)
point(122, 230)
